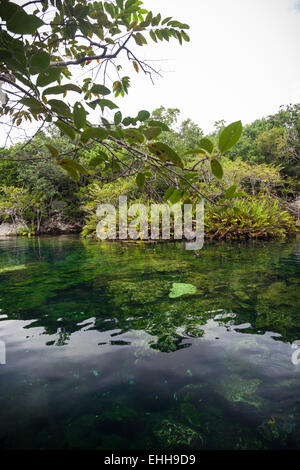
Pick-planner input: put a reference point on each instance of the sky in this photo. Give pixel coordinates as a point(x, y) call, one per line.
point(242, 61)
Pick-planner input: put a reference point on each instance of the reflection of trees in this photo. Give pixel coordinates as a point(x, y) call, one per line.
point(127, 288)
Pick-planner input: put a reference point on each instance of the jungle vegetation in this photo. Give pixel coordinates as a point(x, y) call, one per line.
point(73, 162)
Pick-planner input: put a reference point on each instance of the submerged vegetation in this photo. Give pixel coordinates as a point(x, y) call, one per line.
point(167, 351)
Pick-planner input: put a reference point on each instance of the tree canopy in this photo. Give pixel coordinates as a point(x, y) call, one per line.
point(43, 45)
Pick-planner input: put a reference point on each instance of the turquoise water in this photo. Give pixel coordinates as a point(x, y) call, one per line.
point(99, 356)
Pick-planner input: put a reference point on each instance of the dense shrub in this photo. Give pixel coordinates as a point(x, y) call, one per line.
point(259, 217)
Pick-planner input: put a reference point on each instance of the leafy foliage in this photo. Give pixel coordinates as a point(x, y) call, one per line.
point(275, 139)
point(259, 217)
point(40, 49)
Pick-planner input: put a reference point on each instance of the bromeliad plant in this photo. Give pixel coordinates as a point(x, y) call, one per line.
point(43, 43)
point(251, 218)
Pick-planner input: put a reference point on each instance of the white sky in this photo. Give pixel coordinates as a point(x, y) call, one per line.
point(242, 61)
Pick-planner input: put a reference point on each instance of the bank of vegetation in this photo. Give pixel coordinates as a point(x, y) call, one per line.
point(252, 199)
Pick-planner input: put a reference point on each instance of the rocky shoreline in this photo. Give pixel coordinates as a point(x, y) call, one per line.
point(54, 225)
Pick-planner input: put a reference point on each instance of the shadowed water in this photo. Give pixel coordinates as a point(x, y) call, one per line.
point(100, 356)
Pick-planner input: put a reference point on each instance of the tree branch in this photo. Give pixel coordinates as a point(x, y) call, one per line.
point(86, 58)
point(10, 82)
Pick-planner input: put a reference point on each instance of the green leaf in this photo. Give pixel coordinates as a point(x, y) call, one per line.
point(165, 34)
point(110, 9)
point(107, 103)
point(140, 180)
point(230, 136)
point(168, 193)
point(68, 162)
point(70, 29)
point(57, 90)
point(216, 168)
point(118, 118)
point(71, 171)
point(166, 20)
point(97, 159)
point(54, 90)
point(179, 289)
point(185, 36)
point(176, 196)
point(34, 105)
point(79, 115)
point(127, 121)
point(164, 153)
point(65, 129)
point(24, 80)
point(60, 108)
point(155, 21)
point(129, 3)
point(152, 132)
point(53, 150)
point(179, 37)
point(152, 35)
point(105, 122)
point(162, 125)
point(134, 134)
point(117, 133)
point(100, 89)
point(159, 34)
point(143, 115)
point(230, 192)
point(22, 23)
point(195, 151)
point(5, 54)
point(140, 39)
point(7, 9)
point(94, 133)
point(206, 144)
point(71, 87)
point(40, 61)
point(50, 75)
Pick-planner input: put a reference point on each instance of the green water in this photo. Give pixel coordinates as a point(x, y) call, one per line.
point(100, 356)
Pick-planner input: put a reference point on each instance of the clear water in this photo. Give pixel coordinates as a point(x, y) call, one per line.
point(98, 356)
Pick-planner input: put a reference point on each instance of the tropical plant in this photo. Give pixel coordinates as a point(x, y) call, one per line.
point(255, 217)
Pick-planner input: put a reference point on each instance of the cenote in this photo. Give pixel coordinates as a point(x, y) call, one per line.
point(107, 348)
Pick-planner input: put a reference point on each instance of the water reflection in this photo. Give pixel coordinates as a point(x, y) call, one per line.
point(98, 350)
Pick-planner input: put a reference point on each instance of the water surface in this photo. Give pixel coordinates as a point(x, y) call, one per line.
point(98, 356)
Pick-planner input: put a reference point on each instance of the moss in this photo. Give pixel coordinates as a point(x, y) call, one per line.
point(238, 390)
point(190, 414)
point(119, 411)
point(7, 269)
point(139, 292)
point(179, 289)
point(173, 436)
